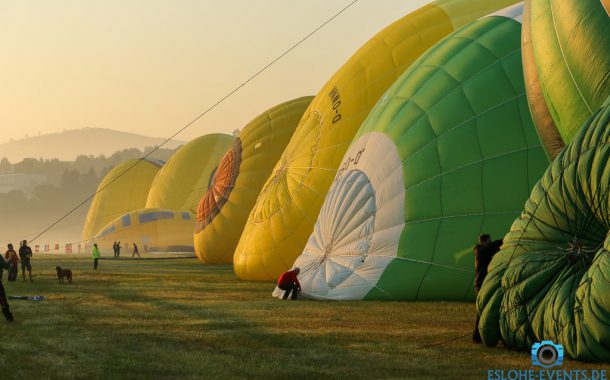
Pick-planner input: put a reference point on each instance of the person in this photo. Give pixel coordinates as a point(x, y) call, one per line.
point(3, 300)
point(25, 254)
point(135, 250)
point(484, 251)
point(11, 257)
point(289, 282)
point(95, 253)
point(118, 249)
point(114, 249)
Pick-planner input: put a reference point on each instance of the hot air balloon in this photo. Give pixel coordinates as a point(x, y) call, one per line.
point(288, 205)
point(550, 280)
point(186, 175)
point(242, 172)
point(566, 59)
point(123, 189)
point(449, 152)
point(153, 230)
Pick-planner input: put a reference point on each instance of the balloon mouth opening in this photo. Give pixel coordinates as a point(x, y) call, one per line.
point(295, 168)
point(221, 184)
point(347, 243)
point(578, 253)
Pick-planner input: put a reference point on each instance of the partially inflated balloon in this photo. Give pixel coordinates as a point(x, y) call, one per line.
point(547, 130)
point(153, 230)
point(123, 189)
point(242, 172)
point(570, 44)
point(289, 203)
point(550, 280)
point(448, 153)
point(186, 176)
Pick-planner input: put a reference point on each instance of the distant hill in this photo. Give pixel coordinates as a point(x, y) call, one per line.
point(67, 145)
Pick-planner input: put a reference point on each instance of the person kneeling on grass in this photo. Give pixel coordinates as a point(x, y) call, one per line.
point(3, 301)
point(289, 282)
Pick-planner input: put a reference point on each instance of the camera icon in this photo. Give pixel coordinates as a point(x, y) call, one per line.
point(547, 354)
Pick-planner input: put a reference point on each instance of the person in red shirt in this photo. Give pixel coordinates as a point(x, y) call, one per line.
point(289, 282)
point(11, 257)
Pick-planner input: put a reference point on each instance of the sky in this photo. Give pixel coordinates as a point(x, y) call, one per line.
point(151, 66)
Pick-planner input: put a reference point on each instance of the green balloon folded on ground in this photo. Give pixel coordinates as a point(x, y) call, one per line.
point(550, 281)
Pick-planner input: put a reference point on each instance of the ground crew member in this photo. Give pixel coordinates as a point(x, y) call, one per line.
point(484, 251)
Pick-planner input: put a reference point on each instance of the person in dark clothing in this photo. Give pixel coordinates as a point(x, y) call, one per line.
point(114, 250)
point(118, 249)
point(135, 250)
point(484, 251)
point(3, 300)
point(25, 254)
point(289, 282)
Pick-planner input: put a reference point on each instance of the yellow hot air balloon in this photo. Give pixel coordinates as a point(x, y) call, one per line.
point(123, 189)
point(287, 208)
point(185, 177)
point(156, 230)
point(242, 172)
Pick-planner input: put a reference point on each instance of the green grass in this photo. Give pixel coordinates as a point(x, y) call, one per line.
point(176, 318)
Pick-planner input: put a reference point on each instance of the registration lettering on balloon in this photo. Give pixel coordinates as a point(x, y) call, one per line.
point(347, 163)
point(335, 98)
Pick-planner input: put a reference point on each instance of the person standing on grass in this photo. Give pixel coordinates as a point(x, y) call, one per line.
point(3, 301)
point(114, 249)
point(95, 253)
point(25, 254)
point(13, 259)
point(135, 251)
point(289, 282)
point(118, 249)
point(484, 251)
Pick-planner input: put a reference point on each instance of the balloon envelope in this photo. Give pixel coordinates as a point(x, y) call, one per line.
point(448, 153)
point(288, 205)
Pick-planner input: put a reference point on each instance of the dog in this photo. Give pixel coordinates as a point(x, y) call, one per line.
point(61, 273)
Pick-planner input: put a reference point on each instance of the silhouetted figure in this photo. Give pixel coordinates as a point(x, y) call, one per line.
point(3, 301)
point(135, 250)
point(118, 249)
point(289, 282)
point(25, 254)
point(114, 250)
point(484, 251)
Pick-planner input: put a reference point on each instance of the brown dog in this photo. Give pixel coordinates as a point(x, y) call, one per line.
point(61, 273)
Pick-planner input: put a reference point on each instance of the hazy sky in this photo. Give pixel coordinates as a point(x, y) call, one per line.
point(150, 66)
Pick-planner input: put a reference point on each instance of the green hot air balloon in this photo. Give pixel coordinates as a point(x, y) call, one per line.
point(550, 280)
point(566, 59)
point(449, 151)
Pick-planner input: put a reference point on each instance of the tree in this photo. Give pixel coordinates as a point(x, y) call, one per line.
point(5, 166)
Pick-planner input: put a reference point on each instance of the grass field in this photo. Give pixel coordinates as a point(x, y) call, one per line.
point(175, 318)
